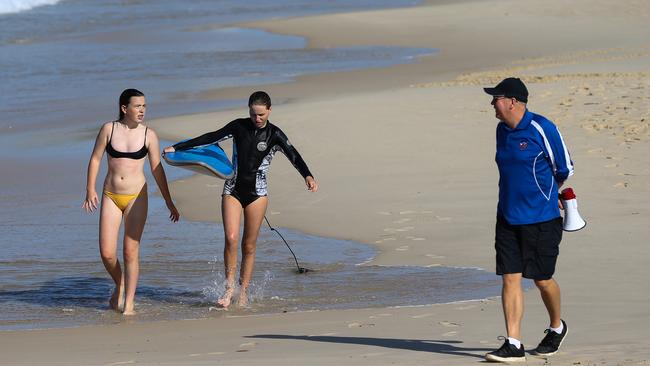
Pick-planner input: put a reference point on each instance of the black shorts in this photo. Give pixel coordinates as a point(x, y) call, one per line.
point(531, 249)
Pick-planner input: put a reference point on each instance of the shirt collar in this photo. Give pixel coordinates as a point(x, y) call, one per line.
point(525, 121)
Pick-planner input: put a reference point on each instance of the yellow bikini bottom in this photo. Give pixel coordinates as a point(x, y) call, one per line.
point(121, 200)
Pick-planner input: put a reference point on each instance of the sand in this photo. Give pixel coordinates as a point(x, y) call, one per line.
point(405, 159)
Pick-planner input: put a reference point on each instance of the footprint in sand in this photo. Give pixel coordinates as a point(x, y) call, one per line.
point(422, 316)
point(450, 334)
point(467, 307)
point(249, 344)
point(373, 354)
point(206, 354)
point(407, 212)
point(385, 239)
point(415, 238)
point(449, 324)
point(567, 102)
point(401, 221)
point(405, 228)
point(621, 185)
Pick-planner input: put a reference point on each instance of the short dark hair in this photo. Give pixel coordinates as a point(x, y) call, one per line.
point(259, 98)
point(125, 99)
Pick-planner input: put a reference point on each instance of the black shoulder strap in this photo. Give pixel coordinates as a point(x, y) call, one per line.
point(112, 128)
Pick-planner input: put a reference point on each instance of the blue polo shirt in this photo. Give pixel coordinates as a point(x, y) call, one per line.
point(533, 161)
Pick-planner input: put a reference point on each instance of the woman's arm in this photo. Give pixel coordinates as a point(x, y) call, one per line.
point(92, 200)
point(159, 173)
point(296, 160)
point(205, 139)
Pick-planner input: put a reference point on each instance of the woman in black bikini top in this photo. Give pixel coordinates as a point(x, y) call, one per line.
point(125, 193)
point(136, 155)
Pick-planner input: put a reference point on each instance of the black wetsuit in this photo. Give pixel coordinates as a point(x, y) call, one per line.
point(253, 150)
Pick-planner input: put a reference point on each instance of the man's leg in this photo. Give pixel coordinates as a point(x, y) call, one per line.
point(512, 300)
point(554, 337)
point(509, 266)
point(547, 237)
point(550, 291)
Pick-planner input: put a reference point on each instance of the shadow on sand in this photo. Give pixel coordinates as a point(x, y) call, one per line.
point(421, 345)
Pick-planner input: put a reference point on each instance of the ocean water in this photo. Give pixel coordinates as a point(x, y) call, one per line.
point(60, 62)
point(62, 66)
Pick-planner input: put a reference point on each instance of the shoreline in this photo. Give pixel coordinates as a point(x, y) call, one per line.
point(422, 189)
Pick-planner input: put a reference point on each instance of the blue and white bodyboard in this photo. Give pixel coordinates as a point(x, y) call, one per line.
point(208, 159)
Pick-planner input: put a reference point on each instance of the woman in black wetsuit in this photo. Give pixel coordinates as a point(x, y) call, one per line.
point(256, 140)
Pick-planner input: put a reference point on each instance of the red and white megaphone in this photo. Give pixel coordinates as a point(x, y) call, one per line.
point(572, 219)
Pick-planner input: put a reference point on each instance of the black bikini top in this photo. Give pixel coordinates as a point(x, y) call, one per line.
point(136, 155)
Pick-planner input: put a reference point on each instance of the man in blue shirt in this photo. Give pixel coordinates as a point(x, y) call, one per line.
point(533, 163)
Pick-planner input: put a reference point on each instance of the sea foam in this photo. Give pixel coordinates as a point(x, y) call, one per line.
point(15, 6)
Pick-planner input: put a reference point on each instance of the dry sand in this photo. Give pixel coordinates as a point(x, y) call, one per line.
point(405, 159)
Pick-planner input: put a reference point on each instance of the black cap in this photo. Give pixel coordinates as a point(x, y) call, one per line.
point(511, 88)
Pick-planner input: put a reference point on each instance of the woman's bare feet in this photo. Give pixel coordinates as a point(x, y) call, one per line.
point(117, 297)
point(243, 299)
point(128, 310)
point(225, 300)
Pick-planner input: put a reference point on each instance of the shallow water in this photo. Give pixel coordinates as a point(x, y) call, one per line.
point(58, 280)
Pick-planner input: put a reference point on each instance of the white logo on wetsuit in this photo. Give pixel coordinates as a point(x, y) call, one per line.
point(261, 146)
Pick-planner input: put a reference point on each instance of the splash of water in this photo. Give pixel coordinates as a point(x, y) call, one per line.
point(218, 284)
